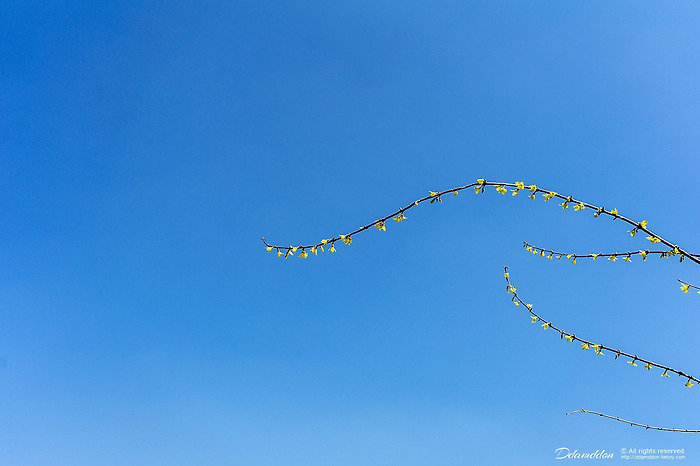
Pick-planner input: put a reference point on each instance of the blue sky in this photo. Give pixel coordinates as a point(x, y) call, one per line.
point(145, 147)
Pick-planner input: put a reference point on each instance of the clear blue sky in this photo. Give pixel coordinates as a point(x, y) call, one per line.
point(146, 146)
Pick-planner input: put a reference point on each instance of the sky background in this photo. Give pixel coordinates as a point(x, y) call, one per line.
point(145, 147)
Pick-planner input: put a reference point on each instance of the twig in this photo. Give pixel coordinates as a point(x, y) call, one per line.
point(586, 344)
point(550, 254)
point(632, 423)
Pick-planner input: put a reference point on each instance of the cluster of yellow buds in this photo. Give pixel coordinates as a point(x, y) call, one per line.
point(565, 204)
point(533, 190)
point(518, 186)
point(686, 287)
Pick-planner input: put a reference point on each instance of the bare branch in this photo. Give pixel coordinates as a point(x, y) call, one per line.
point(632, 423)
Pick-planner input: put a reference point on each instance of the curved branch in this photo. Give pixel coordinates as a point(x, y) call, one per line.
point(479, 187)
point(598, 347)
point(626, 256)
point(632, 423)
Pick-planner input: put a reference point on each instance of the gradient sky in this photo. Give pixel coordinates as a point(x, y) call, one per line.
point(145, 147)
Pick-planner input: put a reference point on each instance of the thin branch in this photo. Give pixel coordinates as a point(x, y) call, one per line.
point(632, 423)
point(626, 256)
point(479, 187)
point(686, 287)
point(597, 347)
